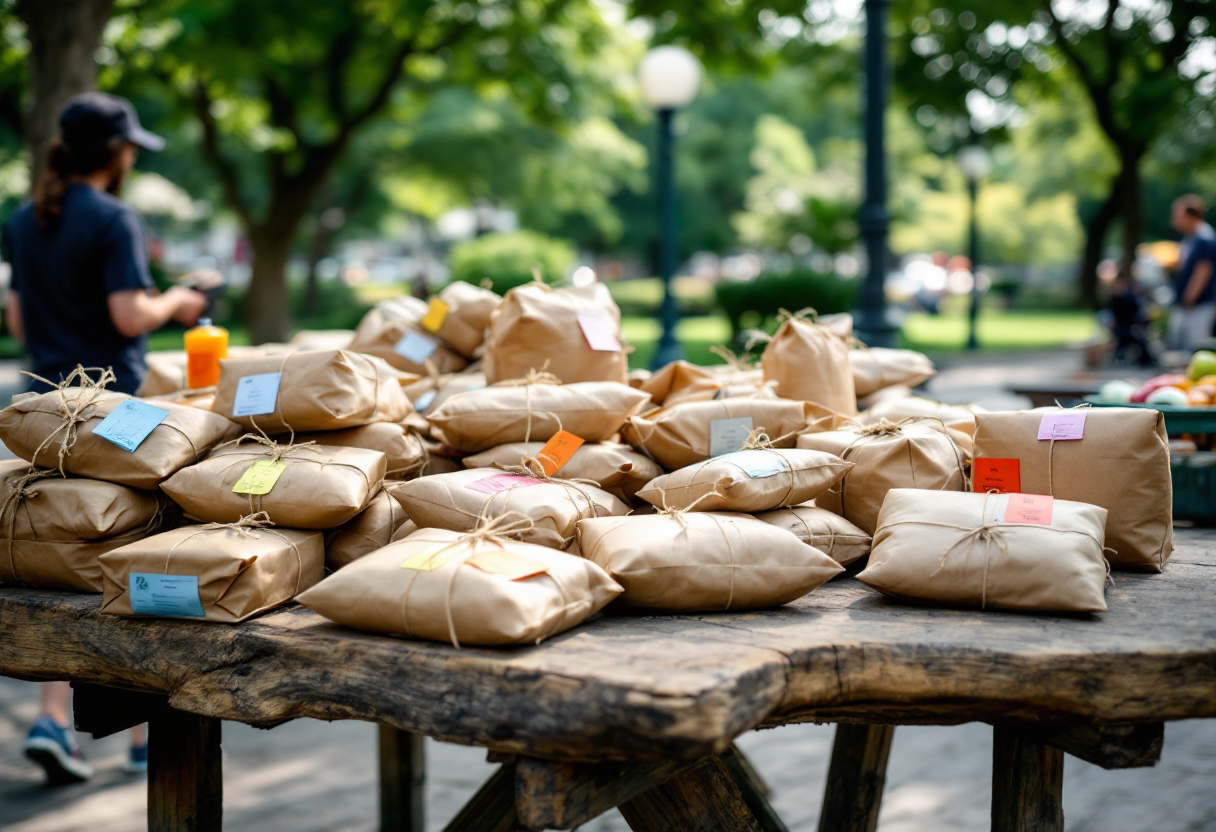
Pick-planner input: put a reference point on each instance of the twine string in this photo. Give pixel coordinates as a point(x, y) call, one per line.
point(21, 490)
point(247, 525)
point(75, 410)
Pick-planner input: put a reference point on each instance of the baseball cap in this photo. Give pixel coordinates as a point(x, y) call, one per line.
point(94, 118)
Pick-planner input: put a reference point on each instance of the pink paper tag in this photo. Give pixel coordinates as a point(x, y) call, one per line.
point(501, 482)
point(599, 331)
point(1060, 426)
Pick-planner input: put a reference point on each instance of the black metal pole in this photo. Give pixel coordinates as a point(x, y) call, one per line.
point(669, 314)
point(872, 319)
point(973, 252)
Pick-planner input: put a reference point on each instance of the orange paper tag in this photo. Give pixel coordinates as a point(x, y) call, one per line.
point(1001, 475)
point(1029, 508)
point(507, 565)
point(557, 451)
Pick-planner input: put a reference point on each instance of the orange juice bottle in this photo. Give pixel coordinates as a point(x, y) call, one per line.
point(205, 346)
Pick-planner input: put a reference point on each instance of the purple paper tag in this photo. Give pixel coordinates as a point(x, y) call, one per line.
point(1060, 426)
point(501, 482)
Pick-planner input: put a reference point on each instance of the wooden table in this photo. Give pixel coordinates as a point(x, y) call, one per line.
point(640, 712)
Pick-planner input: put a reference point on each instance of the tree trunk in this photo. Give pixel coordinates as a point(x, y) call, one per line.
point(1131, 203)
point(319, 244)
point(266, 305)
point(1096, 231)
point(63, 36)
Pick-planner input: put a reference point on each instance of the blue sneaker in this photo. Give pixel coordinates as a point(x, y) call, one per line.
point(137, 759)
point(56, 750)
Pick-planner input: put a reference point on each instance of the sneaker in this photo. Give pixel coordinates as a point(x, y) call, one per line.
point(56, 750)
point(137, 759)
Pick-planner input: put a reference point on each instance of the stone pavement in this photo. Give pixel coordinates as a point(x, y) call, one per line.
point(310, 776)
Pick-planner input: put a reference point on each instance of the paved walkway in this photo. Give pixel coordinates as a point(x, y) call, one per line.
point(309, 776)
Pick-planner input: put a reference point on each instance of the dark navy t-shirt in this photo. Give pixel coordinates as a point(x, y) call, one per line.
point(64, 276)
point(1197, 249)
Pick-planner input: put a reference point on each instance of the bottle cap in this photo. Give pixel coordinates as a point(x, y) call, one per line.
point(204, 322)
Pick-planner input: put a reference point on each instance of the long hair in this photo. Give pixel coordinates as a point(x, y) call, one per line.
point(64, 162)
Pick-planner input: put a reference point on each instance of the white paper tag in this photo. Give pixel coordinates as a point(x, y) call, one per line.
point(599, 330)
point(153, 594)
point(256, 395)
point(757, 464)
point(728, 435)
point(424, 401)
point(415, 347)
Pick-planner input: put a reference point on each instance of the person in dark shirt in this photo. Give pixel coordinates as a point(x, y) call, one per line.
point(80, 294)
point(80, 290)
point(1194, 311)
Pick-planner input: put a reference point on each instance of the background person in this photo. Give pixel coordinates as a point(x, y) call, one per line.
point(1194, 311)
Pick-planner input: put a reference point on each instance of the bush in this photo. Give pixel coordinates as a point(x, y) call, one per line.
point(752, 304)
point(508, 258)
point(642, 296)
point(338, 305)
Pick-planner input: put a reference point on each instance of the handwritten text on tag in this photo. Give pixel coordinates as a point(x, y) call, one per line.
point(260, 477)
point(557, 451)
point(256, 395)
point(1029, 508)
point(130, 423)
point(728, 435)
point(1062, 426)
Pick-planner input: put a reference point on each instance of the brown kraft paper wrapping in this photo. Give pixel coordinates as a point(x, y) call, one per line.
point(1122, 464)
point(447, 501)
point(55, 529)
point(618, 469)
point(810, 363)
point(877, 367)
point(468, 315)
point(402, 448)
point(533, 409)
point(382, 329)
point(242, 571)
point(955, 549)
point(830, 533)
point(886, 456)
point(681, 381)
point(55, 429)
point(746, 481)
point(680, 435)
point(373, 528)
point(322, 487)
point(458, 602)
point(537, 325)
point(703, 561)
point(957, 419)
point(322, 390)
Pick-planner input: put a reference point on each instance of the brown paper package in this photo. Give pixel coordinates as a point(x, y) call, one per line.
point(1122, 463)
point(404, 452)
point(469, 310)
point(322, 339)
point(946, 549)
point(958, 419)
point(876, 367)
point(322, 487)
point(679, 436)
point(167, 368)
point(241, 572)
point(482, 419)
point(810, 363)
point(537, 328)
point(383, 328)
point(903, 456)
point(184, 437)
point(804, 476)
point(703, 561)
point(618, 469)
point(52, 534)
point(830, 533)
point(681, 381)
point(445, 501)
point(374, 593)
point(444, 388)
point(322, 390)
point(373, 528)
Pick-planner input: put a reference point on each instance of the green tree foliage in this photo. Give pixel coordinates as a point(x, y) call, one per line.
point(508, 259)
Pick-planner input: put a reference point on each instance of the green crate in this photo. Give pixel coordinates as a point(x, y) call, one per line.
point(1194, 478)
point(1178, 420)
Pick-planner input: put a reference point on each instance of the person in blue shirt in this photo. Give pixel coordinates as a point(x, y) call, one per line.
point(81, 291)
point(81, 294)
point(1194, 312)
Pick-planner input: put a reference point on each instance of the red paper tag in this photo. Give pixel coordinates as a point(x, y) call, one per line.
point(501, 482)
point(557, 451)
point(1001, 475)
point(1029, 508)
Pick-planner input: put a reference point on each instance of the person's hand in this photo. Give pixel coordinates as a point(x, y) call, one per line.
point(187, 304)
point(204, 280)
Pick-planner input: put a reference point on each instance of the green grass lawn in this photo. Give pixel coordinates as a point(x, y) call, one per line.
point(998, 331)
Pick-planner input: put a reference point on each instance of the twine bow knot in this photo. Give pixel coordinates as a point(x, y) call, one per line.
point(74, 410)
point(741, 363)
point(530, 379)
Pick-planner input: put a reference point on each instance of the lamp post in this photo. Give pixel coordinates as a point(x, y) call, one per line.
point(668, 78)
point(976, 164)
point(872, 319)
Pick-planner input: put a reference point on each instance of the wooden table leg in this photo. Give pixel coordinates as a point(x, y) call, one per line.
point(1027, 783)
point(402, 781)
point(704, 798)
point(185, 773)
point(856, 777)
point(492, 809)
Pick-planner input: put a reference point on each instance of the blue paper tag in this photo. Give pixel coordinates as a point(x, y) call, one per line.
point(415, 347)
point(727, 435)
point(256, 395)
point(153, 594)
point(424, 401)
point(756, 464)
point(130, 423)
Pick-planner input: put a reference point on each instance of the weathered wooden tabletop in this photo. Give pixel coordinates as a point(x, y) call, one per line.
point(636, 688)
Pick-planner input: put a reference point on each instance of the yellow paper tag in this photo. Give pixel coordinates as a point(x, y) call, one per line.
point(260, 477)
point(430, 559)
point(508, 565)
point(435, 315)
point(557, 451)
